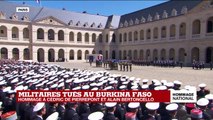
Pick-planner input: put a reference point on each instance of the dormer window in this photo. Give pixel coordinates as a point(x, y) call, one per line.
point(136, 21)
point(131, 22)
point(2, 15)
point(174, 12)
point(149, 18)
point(85, 24)
point(121, 24)
point(165, 14)
point(70, 22)
point(93, 25)
point(125, 23)
point(143, 20)
point(25, 18)
point(14, 17)
point(157, 16)
point(100, 25)
point(184, 10)
point(78, 23)
point(51, 20)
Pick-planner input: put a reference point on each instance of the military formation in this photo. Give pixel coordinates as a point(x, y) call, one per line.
point(157, 63)
point(19, 75)
point(118, 65)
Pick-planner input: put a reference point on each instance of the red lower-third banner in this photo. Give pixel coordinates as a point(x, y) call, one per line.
point(93, 96)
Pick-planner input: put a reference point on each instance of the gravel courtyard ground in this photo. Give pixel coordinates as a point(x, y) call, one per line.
point(186, 75)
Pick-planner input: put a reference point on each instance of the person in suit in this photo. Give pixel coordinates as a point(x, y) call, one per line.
point(70, 111)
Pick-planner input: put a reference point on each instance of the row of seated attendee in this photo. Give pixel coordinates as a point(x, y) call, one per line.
point(20, 75)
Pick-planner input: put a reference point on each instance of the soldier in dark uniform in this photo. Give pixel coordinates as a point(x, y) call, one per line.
point(83, 110)
point(109, 115)
point(120, 66)
point(29, 114)
point(151, 112)
point(52, 108)
point(2, 94)
point(130, 67)
point(127, 67)
point(202, 92)
point(94, 107)
point(9, 103)
point(211, 65)
point(61, 110)
point(119, 111)
point(40, 111)
point(124, 65)
point(171, 112)
point(70, 112)
point(202, 104)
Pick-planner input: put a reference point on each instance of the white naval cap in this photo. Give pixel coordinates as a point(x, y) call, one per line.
point(133, 105)
point(96, 116)
point(122, 87)
point(53, 116)
point(209, 96)
point(145, 86)
point(85, 87)
point(38, 106)
point(203, 102)
point(202, 85)
point(177, 82)
point(172, 107)
point(152, 105)
point(145, 80)
point(110, 104)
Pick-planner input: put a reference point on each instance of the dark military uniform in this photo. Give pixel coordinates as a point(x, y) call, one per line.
point(119, 112)
point(71, 114)
point(151, 117)
point(109, 116)
point(61, 110)
point(37, 118)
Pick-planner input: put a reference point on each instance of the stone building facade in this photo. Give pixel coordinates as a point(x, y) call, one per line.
point(178, 30)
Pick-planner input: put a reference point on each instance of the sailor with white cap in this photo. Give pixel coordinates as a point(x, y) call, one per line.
point(152, 111)
point(132, 111)
point(202, 92)
point(210, 98)
point(202, 104)
point(172, 111)
point(40, 111)
point(177, 85)
point(53, 116)
point(96, 116)
point(109, 115)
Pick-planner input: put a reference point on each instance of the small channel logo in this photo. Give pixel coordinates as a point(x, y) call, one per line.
point(22, 9)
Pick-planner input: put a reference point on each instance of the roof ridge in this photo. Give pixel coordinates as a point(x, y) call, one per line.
point(37, 14)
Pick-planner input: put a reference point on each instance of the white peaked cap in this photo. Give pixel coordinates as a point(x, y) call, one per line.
point(38, 106)
point(209, 96)
point(203, 102)
point(172, 107)
point(145, 86)
point(145, 80)
point(110, 104)
point(152, 105)
point(85, 87)
point(177, 82)
point(53, 116)
point(96, 116)
point(202, 85)
point(134, 105)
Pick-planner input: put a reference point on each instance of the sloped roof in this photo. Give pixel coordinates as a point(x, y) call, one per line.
point(95, 21)
point(168, 6)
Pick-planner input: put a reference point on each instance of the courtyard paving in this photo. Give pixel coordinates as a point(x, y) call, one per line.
point(186, 75)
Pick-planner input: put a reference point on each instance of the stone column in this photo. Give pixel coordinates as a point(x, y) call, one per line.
point(46, 56)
